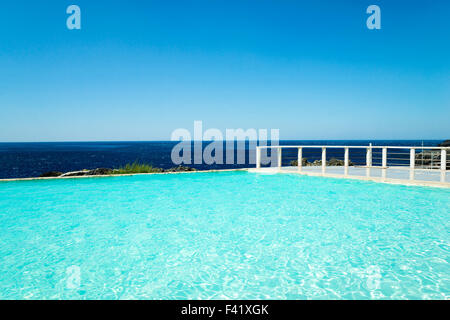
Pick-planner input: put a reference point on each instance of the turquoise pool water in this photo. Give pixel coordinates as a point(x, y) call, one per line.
point(222, 235)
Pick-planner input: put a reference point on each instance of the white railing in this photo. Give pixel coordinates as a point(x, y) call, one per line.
point(420, 158)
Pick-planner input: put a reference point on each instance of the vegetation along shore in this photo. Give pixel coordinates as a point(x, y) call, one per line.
point(130, 168)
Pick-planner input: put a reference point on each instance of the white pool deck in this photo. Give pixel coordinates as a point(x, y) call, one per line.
point(399, 175)
point(429, 169)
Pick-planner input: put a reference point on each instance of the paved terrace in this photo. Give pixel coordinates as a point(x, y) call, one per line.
point(406, 169)
point(393, 175)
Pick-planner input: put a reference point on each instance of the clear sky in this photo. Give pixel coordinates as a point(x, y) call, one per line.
point(137, 70)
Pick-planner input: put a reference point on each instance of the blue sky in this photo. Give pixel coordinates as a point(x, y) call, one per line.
point(138, 70)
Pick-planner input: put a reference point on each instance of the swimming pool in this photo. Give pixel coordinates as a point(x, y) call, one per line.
point(222, 235)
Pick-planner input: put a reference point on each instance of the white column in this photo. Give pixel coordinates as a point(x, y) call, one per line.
point(258, 157)
point(443, 159)
point(369, 157)
point(383, 163)
point(412, 158)
point(346, 160)
point(384, 157)
point(412, 163)
point(443, 164)
point(324, 159)
point(368, 160)
point(279, 157)
point(300, 157)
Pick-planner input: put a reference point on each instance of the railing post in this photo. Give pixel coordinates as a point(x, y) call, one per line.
point(300, 158)
point(279, 157)
point(346, 160)
point(384, 157)
point(369, 157)
point(412, 158)
point(324, 159)
point(443, 164)
point(368, 160)
point(412, 163)
point(258, 157)
point(443, 159)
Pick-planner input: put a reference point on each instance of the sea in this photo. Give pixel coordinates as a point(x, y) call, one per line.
point(31, 159)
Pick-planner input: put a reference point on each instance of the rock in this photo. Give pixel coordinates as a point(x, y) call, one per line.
point(294, 163)
point(180, 168)
point(332, 162)
point(426, 158)
point(75, 173)
point(51, 174)
point(100, 172)
point(107, 171)
point(94, 172)
point(446, 143)
point(428, 155)
point(337, 162)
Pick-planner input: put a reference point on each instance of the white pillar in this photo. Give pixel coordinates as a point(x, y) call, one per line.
point(383, 163)
point(258, 157)
point(346, 160)
point(369, 157)
point(443, 159)
point(368, 160)
point(384, 157)
point(324, 159)
point(300, 157)
point(412, 158)
point(279, 157)
point(443, 164)
point(412, 163)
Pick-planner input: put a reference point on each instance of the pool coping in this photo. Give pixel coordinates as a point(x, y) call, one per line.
point(418, 183)
point(117, 175)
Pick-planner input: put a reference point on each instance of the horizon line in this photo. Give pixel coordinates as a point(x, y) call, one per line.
point(224, 140)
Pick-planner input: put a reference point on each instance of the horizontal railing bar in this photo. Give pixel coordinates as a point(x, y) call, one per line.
point(356, 147)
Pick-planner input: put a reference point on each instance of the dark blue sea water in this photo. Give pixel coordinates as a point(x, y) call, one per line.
point(19, 160)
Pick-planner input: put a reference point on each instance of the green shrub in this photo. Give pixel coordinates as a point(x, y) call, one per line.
point(137, 167)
